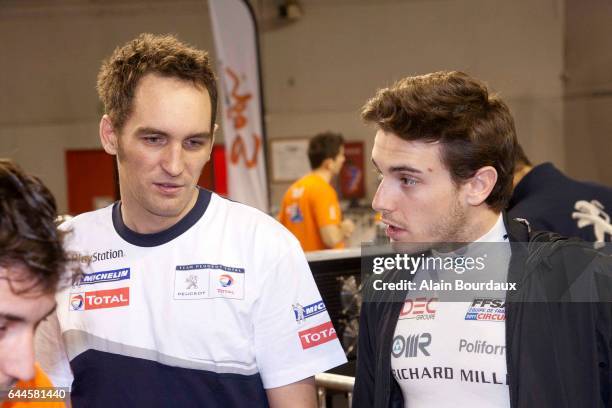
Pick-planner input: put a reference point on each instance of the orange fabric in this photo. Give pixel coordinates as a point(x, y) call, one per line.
point(310, 204)
point(40, 380)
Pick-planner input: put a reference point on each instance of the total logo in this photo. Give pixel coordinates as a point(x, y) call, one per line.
point(410, 346)
point(100, 299)
point(421, 308)
point(76, 302)
point(317, 335)
point(483, 309)
point(226, 280)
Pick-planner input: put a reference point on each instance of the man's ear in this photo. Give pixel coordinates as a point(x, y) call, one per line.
point(214, 133)
point(479, 187)
point(108, 136)
point(212, 140)
point(327, 163)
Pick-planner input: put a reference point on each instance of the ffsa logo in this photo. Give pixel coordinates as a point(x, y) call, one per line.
point(410, 346)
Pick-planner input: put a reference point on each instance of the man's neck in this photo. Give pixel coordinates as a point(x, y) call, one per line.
point(144, 221)
point(519, 174)
point(481, 222)
point(323, 173)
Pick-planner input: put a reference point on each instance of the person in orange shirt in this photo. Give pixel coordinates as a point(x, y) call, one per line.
point(310, 208)
point(31, 261)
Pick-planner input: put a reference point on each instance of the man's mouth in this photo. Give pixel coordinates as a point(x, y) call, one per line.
point(168, 188)
point(393, 230)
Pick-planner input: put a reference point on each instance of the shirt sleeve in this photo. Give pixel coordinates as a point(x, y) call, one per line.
point(293, 334)
point(51, 353)
point(327, 208)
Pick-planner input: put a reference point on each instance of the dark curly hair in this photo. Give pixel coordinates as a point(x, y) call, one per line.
point(28, 233)
point(160, 54)
point(475, 129)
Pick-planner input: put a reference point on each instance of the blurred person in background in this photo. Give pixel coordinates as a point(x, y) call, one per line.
point(31, 262)
point(551, 201)
point(310, 207)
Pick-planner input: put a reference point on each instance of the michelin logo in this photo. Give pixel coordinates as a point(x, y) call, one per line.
point(104, 276)
point(304, 312)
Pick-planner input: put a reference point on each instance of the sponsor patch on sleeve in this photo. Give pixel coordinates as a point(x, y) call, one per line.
point(317, 335)
point(304, 312)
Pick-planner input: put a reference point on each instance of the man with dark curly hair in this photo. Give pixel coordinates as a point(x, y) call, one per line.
point(31, 262)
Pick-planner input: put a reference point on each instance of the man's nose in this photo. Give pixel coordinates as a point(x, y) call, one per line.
point(382, 201)
point(173, 160)
point(19, 363)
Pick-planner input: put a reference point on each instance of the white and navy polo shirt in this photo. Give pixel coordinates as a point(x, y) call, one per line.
point(210, 312)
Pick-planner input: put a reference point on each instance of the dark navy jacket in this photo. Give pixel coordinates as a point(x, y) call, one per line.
point(558, 352)
point(551, 201)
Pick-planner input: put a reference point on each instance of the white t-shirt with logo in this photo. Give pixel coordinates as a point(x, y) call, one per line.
point(453, 354)
point(224, 299)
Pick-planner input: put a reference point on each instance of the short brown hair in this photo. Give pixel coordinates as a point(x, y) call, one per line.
point(475, 129)
point(160, 54)
point(323, 146)
point(28, 234)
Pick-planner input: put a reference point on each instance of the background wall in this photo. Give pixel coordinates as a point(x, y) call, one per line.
point(588, 87)
point(317, 71)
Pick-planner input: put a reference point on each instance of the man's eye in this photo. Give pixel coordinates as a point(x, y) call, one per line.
point(408, 181)
point(194, 143)
point(152, 139)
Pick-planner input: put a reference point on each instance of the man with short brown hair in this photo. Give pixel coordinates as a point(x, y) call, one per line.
point(188, 297)
point(444, 149)
point(310, 207)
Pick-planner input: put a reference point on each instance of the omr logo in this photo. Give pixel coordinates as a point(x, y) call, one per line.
point(411, 345)
point(226, 280)
point(76, 302)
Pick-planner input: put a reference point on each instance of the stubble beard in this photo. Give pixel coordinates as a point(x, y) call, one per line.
point(452, 227)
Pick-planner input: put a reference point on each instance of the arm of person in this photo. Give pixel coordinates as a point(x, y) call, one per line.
point(294, 338)
point(332, 235)
point(300, 394)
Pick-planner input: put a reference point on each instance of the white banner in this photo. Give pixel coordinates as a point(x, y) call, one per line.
point(238, 71)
